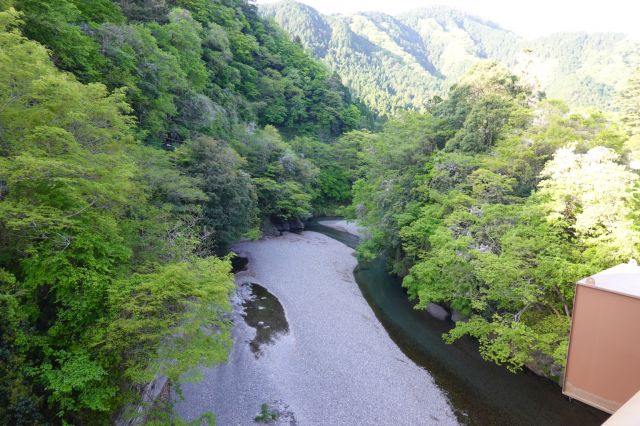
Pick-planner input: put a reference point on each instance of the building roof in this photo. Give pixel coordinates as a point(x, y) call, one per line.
point(627, 415)
point(623, 278)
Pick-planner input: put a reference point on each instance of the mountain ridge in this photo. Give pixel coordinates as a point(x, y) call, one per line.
point(396, 62)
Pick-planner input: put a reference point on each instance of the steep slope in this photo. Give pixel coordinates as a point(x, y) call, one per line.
point(305, 24)
point(139, 140)
point(383, 62)
point(455, 40)
point(583, 68)
point(392, 63)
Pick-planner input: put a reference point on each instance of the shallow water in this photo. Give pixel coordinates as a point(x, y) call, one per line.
point(481, 393)
point(264, 312)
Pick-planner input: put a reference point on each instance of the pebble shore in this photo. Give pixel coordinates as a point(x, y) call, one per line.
point(336, 366)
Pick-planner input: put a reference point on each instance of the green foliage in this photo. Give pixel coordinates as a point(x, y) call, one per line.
point(105, 279)
point(17, 403)
point(286, 200)
point(397, 63)
point(497, 215)
point(202, 67)
point(629, 103)
point(336, 169)
point(482, 125)
point(55, 25)
point(603, 222)
point(266, 415)
point(230, 209)
point(285, 182)
point(77, 383)
point(489, 201)
point(181, 303)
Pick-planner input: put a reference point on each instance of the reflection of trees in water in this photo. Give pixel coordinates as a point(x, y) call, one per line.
point(264, 312)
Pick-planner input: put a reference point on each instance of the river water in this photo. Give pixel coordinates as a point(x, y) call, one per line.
point(481, 392)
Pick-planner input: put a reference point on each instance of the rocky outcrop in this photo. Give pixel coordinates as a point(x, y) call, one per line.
point(543, 365)
point(437, 311)
point(151, 394)
point(276, 226)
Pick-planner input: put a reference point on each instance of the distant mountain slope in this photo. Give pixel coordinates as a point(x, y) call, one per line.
point(583, 68)
point(399, 62)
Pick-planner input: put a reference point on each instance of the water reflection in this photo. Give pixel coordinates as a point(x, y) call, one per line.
point(264, 312)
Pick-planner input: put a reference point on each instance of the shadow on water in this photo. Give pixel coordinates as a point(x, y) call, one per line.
point(480, 392)
point(264, 312)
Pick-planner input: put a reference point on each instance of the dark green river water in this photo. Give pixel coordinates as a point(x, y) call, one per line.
point(481, 393)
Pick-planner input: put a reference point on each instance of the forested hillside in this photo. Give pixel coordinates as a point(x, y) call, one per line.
point(138, 140)
point(495, 202)
point(393, 63)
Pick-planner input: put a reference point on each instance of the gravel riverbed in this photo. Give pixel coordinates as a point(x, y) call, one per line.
point(335, 365)
point(344, 226)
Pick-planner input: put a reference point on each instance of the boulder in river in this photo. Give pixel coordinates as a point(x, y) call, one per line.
point(457, 316)
point(437, 311)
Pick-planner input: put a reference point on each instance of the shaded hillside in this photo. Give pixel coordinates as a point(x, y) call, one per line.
point(393, 63)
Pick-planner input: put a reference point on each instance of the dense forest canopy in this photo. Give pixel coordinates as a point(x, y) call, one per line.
point(495, 203)
point(139, 139)
point(394, 63)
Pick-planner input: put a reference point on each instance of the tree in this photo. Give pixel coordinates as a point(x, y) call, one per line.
point(590, 195)
point(77, 204)
point(230, 208)
point(136, 142)
point(629, 104)
point(495, 215)
point(54, 25)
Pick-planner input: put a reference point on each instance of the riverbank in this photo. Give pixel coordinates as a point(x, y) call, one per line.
point(335, 364)
point(482, 393)
point(344, 226)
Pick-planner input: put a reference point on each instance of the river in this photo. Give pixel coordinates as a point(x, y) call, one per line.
point(309, 347)
point(318, 343)
point(480, 392)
